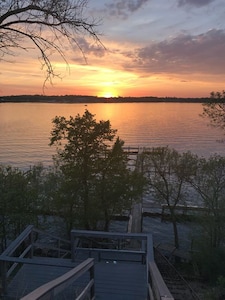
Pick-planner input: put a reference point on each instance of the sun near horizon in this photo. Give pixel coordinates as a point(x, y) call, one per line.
point(109, 92)
point(108, 95)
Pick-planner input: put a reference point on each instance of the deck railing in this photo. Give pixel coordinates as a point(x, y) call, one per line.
point(105, 244)
point(157, 289)
point(25, 245)
point(51, 289)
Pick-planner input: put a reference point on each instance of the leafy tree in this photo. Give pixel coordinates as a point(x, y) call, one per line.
point(95, 180)
point(15, 205)
point(214, 110)
point(41, 188)
point(13, 202)
point(47, 25)
point(81, 142)
point(209, 182)
point(66, 200)
point(117, 185)
point(167, 172)
point(23, 197)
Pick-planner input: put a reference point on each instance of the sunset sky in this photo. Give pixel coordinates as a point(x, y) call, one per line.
point(152, 48)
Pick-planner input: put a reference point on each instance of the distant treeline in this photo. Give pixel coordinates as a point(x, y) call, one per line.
point(95, 99)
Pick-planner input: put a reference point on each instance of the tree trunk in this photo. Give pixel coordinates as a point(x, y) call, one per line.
point(107, 221)
point(175, 231)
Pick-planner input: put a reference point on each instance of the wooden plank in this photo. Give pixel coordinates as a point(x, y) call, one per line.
point(83, 294)
point(110, 235)
point(158, 284)
point(115, 280)
point(121, 281)
point(47, 261)
point(12, 247)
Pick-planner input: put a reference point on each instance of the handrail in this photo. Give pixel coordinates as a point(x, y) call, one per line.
point(75, 234)
point(18, 241)
point(22, 237)
point(104, 234)
point(54, 287)
point(157, 283)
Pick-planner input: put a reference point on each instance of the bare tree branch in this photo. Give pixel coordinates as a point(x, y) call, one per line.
point(46, 24)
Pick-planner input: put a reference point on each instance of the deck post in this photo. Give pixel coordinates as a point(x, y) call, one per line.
point(92, 274)
point(72, 247)
point(59, 248)
point(4, 278)
point(32, 243)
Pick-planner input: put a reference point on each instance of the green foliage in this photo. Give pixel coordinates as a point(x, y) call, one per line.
point(116, 185)
point(214, 110)
point(209, 182)
point(210, 261)
point(19, 195)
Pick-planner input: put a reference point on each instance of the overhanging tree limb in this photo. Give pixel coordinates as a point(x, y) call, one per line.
point(45, 24)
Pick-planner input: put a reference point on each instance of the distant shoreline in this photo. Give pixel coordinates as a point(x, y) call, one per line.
point(95, 99)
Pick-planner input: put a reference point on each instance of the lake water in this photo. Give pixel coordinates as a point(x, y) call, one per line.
point(25, 131)
point(25, 128)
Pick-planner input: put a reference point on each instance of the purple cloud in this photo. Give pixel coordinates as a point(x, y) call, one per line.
point(90, 48)
point(124, 7)
point(185, 54)
point(194, 2)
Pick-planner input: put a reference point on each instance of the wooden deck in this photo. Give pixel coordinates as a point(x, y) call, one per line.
point(30, 276)
point(106, 259)
point(113, 279)
point(120, 281)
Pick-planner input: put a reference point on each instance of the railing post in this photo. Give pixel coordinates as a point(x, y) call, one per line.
point(4, 278)
point(118, 244)
point(32, 243)
point(58, 248)
point(72, 247)
point(92, 274)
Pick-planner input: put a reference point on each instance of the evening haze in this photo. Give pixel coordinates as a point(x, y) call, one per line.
point(152, 48)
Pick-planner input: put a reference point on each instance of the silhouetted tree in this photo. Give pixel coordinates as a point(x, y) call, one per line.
point(117, 186)
point(214, 110)
point(95, 180)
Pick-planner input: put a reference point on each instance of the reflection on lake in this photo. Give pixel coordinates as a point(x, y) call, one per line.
point(25, 131)
point(25, 128)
